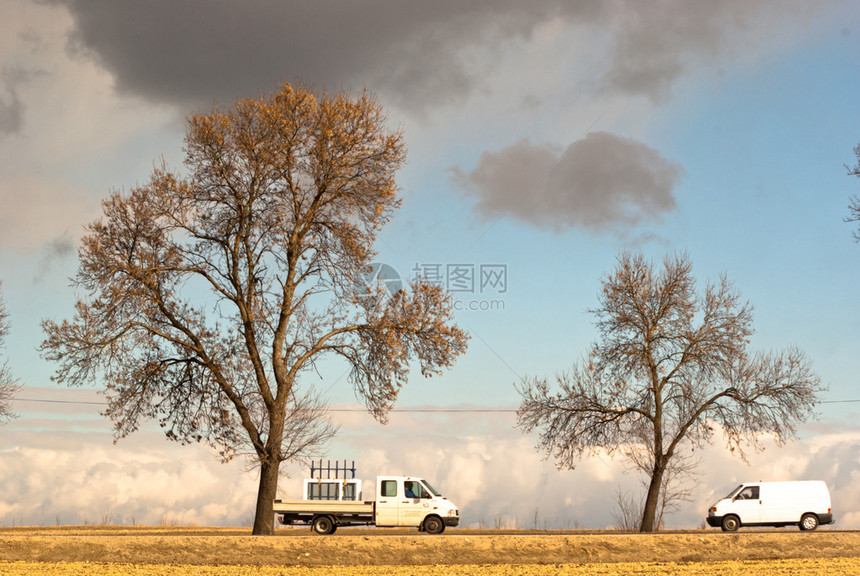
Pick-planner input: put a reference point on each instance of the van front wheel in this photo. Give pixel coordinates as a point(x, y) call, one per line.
point(808, 522)
point(731, 524)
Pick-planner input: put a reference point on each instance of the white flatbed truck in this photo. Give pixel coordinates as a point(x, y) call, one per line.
point(400, 501)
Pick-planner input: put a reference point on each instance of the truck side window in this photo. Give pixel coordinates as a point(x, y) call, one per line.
point(389, 488)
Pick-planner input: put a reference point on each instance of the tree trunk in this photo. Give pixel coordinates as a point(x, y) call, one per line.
point(264, 518)
point(649, 513)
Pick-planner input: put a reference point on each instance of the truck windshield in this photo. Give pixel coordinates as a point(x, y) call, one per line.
point(430, 489)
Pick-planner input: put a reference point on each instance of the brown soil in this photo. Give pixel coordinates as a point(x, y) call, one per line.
point(354, 547)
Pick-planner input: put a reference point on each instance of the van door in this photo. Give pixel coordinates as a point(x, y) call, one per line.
point(387, 502)
point(747, 504)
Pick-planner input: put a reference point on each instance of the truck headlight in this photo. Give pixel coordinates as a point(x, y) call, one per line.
point(452, 513)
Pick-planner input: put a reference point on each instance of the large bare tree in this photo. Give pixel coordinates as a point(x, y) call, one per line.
point(671, 366)
point(8, 384)
point(207, 296)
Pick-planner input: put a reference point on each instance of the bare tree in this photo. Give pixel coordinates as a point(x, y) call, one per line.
point(670, 366)
point(8, 384)
point(854, 207)
point(207, 297)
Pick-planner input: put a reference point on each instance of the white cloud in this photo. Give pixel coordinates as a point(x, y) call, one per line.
point(96, 479)
point(73, 138)
point(59, 464)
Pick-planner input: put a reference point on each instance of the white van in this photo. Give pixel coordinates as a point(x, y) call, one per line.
point(806, 504)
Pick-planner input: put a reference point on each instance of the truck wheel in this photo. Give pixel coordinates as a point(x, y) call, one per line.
point(433, 525)
point(808, 522)
point(731, 524)
point(323, 525)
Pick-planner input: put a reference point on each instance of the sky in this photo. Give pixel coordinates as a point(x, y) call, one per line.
point(544, 138)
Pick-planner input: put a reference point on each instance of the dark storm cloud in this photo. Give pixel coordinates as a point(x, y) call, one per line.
point(602, 181)
point(194, 52)
point(191, 53)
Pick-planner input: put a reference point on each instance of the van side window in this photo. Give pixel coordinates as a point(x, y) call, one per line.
point(749, 493)
point(389, 488)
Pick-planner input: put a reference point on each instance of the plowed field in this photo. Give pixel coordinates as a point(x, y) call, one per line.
point(180, 551)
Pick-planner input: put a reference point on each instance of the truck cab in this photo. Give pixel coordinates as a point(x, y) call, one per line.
point(408, 501)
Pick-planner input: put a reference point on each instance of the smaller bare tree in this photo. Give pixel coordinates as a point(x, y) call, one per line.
point(8, 384)
point(671, 368)
point(854, 207)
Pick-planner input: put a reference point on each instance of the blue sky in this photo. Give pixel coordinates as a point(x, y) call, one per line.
point(750, 107)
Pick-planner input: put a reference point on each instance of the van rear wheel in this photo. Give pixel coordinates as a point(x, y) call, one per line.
point(731, 524)
point(808, 522)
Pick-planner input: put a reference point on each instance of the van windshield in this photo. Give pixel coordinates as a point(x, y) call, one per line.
point(734, 492)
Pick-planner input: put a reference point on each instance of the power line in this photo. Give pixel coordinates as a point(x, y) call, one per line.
point(433, 410)
point(403, 410)
point(44, 401)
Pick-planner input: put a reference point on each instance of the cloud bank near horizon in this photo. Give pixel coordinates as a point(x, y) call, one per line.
point(64, 469)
